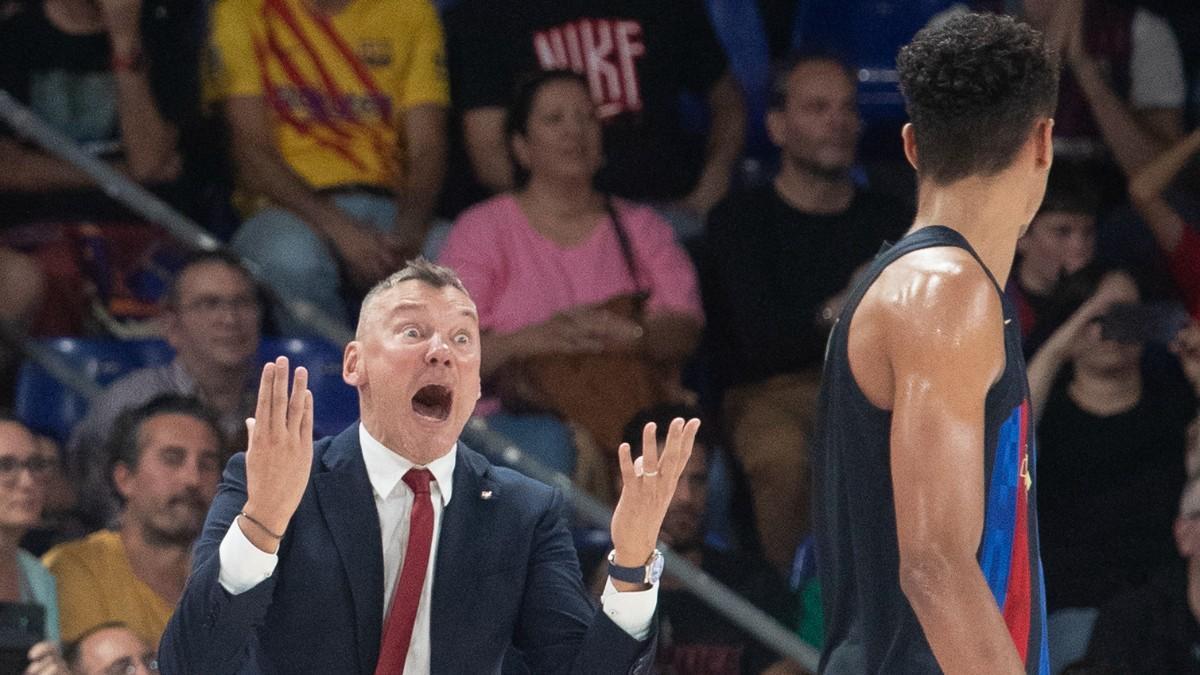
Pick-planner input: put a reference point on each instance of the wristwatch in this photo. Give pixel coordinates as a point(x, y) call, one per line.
point(649, 573)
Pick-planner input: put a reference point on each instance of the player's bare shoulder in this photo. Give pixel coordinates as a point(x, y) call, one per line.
point(926, 303)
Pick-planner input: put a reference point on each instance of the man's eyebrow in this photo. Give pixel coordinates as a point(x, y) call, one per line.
point(406, 306)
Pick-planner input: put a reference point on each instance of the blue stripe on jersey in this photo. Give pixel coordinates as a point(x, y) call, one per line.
point(995, 555)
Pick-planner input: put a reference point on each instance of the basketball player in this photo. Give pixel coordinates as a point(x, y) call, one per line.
point(925, 509)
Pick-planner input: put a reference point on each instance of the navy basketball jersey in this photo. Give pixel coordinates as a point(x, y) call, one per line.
point(870, 627)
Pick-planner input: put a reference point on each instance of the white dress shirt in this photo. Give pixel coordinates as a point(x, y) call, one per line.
point(244, 566)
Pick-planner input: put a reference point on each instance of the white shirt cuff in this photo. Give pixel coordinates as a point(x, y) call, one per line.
point(243, 565)
point(631, 611)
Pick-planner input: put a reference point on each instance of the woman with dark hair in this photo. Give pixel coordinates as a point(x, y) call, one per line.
point(546, 263)
point(23, 580)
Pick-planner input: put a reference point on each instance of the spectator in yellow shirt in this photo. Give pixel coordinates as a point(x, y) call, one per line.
point(337, 117)
point(165, 468)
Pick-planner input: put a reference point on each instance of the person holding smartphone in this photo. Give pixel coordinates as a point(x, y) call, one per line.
point(1112, 411)
point(28, 602)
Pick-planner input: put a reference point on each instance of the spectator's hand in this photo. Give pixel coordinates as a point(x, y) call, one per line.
point(44, 659)
point(648, 485)
point(1186, 346)
point(369, 255)
point(615, 331)
point(1111, 291)
point(279, 459)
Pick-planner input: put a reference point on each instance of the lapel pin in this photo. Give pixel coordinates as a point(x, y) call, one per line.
point(486, 494)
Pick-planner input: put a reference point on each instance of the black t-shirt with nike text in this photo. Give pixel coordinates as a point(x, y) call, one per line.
point(639, 56)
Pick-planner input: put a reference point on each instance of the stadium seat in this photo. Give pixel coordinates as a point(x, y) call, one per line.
point(50, 407)
point(335, 403)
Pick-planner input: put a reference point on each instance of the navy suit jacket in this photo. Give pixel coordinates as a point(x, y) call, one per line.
point(506, 574)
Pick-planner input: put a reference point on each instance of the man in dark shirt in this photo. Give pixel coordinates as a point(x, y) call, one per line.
point(1155, 628)
point(777, 259)
point(1113, 425)
point(638, 56)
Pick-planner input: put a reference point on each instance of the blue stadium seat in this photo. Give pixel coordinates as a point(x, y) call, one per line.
point(335, 403)
point(868, 35)
point(51, 408)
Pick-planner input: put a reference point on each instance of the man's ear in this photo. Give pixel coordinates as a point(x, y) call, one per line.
point(909, 137)
point(1044, 143)
point(122, 477)
point(776, 126)
point(352, 374)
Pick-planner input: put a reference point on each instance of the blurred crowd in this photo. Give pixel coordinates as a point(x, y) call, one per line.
point(657, 208)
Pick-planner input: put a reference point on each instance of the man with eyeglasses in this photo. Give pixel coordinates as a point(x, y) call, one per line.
point(211, 317)
point(110, 649)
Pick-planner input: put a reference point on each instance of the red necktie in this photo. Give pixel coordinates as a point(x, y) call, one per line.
point(398, 629)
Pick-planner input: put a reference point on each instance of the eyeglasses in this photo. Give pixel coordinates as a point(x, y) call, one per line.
point(39, 468)
point(129, 666)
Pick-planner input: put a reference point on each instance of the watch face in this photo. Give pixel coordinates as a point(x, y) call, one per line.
point(656, 567)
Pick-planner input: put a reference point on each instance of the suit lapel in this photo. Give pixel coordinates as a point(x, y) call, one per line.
point(458, 558)
point(348, 505)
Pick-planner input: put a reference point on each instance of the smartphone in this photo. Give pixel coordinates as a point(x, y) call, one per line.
point(1150, 322)
point(22, 625)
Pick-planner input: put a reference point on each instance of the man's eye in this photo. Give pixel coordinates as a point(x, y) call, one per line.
point(462, 339)
point(410, 332)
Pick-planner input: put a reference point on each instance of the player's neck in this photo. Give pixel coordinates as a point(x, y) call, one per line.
point(985, 212)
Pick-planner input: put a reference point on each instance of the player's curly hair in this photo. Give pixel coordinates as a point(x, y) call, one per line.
point(973, 87)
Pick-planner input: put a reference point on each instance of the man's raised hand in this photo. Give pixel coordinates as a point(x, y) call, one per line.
point(279, 457)
point(648, 486)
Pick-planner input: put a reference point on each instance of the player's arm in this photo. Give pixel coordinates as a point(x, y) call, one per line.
point(946, 349)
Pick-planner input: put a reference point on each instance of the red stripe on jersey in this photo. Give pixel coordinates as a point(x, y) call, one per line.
point(281, 108)
point(363, 74)
point(352, 59)
point(1019, 595)
point(282, 11)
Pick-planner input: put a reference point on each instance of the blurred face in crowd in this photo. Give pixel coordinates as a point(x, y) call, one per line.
point(214, 321)
point(168, 492)
point(23, 476)
point(1057, 243)
point(1092, 352)
point(415, 364)
point(683, 526)
point(115, 651)
point(563, 137)
point(817, 127)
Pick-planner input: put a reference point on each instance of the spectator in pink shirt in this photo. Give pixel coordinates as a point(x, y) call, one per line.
point(540, 261)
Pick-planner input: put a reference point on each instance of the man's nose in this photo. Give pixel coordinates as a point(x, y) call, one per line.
point(439, 350)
